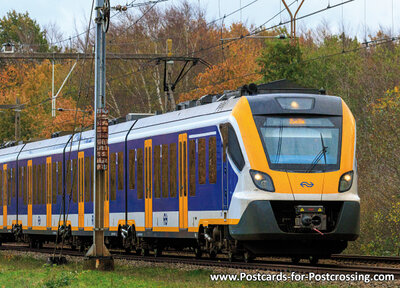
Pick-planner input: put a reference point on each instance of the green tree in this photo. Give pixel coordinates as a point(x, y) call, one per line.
point(280, 60)
point(23, 32)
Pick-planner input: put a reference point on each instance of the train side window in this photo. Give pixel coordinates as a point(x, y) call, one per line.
point(120, 170)
point(202, 160)
point(172, 180)
point(39, 184)
point(164, 171)
point(10, 185)
point(231, 145)
point(59, 171)
point(113, 191)
point(192, 167)
point(212, 160)
point(132, 169)
point(1, 187)
point(87, 179)
point(92, 171)
point(25, 183)
point(54, 181)
point(5, 187)
point(234, 150)
point(34, 192)
point(224, 133)
point(68, 180)
point(157, 170)
point(139, 173)
point(43, 184)
point(75, 180)
point(20, 182)
point(13, 180)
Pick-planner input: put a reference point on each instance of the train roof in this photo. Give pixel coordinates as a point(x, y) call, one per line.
point(265, 104)
point(117, 131)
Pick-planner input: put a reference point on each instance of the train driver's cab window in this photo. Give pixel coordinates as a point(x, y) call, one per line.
point(231, 145)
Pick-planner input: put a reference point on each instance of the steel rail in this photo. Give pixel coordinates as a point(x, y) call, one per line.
point(275, 266)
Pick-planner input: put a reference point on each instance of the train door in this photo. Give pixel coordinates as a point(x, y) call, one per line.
point(183, 183)
point(81, 203)
point(48, 192)
point(29, 193)
point(1, 196)
point(225, 170)
point(5, 194)
point(148, 183)
point(107, 195)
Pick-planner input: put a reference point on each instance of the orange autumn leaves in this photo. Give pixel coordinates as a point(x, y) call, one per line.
point(32, 83)
point(238, 67)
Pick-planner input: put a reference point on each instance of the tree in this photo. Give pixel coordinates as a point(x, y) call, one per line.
point(280, 60)
point(237, 67)
point(23, 32)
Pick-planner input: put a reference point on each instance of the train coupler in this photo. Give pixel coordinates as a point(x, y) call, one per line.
point(312, 217)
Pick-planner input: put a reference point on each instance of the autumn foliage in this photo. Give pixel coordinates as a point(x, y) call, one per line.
point(31, 84)
point(237, 68)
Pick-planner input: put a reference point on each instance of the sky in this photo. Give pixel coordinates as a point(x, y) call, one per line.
point(360, 17)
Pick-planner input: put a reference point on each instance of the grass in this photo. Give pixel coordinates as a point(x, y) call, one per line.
point(25, 271)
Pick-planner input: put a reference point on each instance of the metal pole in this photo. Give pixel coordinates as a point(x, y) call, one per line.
point(170, 105)
point(53, 100)
point(17, 121)
point(98, 252)
point(294, 20)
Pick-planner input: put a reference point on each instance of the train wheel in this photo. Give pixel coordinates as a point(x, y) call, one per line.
point(248, 257)
point(157, 252)
point(231, 256)
point(313, 260)
point(295, 260)
point(198, 253)
point(212, 254)
point(145, 252)
point(81, 248)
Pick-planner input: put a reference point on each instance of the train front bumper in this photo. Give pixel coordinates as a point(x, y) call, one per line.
point(258, 222)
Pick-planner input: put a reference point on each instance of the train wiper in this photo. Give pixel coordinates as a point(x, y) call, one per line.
point(278, 152)
point(319, 155)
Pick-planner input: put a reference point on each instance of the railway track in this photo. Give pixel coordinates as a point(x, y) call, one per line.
point(276, 266)
point(367, 258)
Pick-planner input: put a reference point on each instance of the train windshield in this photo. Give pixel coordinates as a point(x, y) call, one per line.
point(301, 144)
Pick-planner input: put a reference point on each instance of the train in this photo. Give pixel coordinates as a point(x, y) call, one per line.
point(265, 170)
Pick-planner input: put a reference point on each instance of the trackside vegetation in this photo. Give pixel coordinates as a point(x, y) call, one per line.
point(25, 271)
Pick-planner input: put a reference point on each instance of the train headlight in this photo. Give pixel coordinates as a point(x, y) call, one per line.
point(262, 181)
point(346, 181)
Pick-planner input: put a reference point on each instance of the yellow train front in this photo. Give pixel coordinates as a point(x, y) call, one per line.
point(297, 193)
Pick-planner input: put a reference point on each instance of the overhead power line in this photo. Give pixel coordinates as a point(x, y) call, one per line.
point(118, 12)
point(231, 13)
point(260, 28)
point(367, 44)
point(85, 56)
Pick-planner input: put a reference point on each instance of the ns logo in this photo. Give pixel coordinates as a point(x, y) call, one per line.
point(306, 184)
